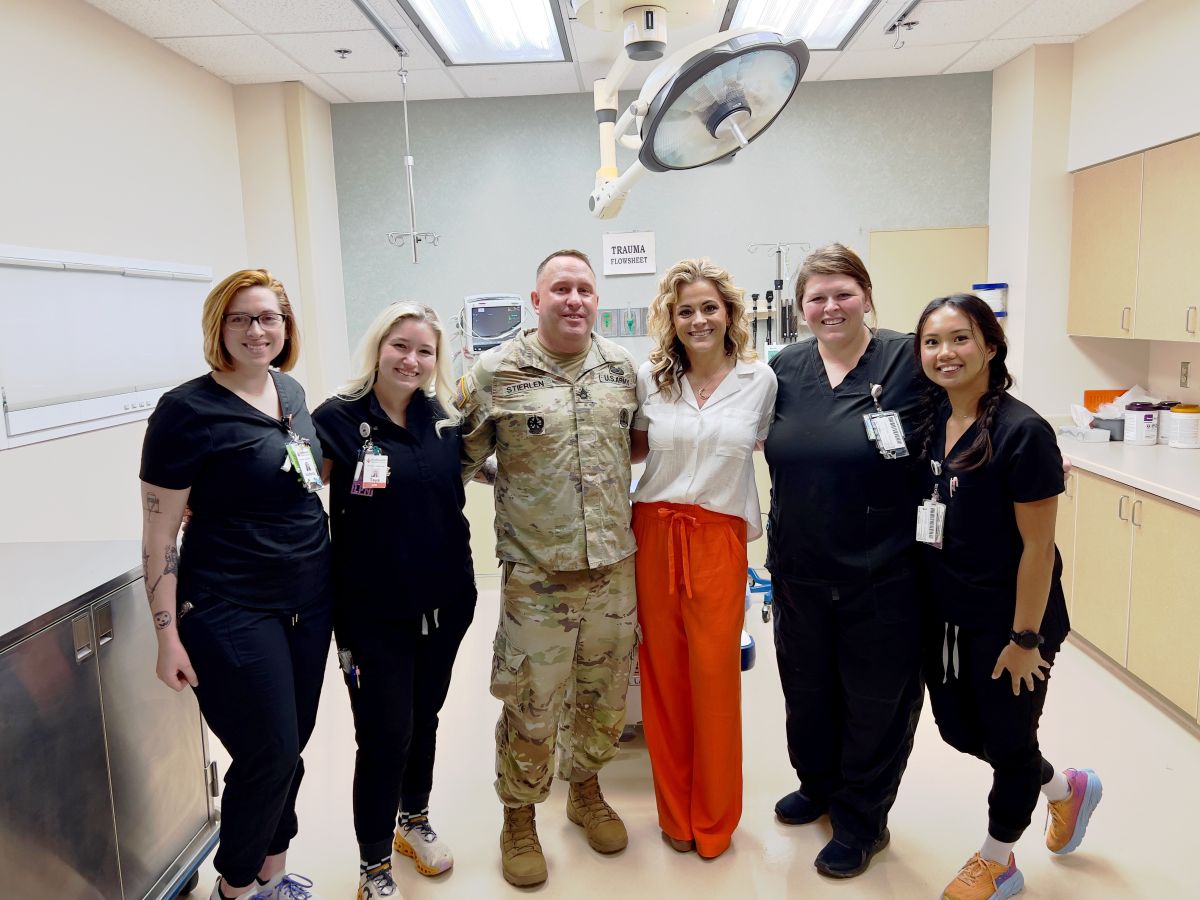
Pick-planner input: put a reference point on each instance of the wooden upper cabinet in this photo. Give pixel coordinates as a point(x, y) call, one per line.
point(1104, 249)
point(1168, 292)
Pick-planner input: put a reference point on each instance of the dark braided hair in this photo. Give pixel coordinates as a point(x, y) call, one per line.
point(988, 334)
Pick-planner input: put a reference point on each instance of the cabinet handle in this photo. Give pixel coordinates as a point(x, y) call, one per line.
point(104, 620)
point(1126, 312)
point(1121, 508)
point(1133, 517)
point(1187, 321)
point(81, 631)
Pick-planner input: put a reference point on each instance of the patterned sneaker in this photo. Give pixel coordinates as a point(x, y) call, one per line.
point(982, 879)
point(255, 893)
point(377, 882)
point(1067, 820)
point(416, 839)
point(289, 887)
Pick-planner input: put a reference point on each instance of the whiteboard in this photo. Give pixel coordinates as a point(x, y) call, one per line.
point(91, 341)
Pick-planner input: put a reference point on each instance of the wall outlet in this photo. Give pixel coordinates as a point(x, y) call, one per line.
point(1183, 373)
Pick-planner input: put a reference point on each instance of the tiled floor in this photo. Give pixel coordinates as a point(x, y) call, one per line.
point(1142, 841)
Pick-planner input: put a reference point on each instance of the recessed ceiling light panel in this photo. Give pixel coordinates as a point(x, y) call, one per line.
point(822, 24)
point(490, 32)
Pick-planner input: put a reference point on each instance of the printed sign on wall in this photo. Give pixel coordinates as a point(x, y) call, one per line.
point(629, 253)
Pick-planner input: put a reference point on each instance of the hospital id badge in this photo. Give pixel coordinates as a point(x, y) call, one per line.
point(885, 429)
point(931, 520)
point(374, 471)
point(301, 458)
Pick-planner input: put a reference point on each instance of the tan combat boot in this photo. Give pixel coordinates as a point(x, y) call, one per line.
point(586, 807)
point(520, 850)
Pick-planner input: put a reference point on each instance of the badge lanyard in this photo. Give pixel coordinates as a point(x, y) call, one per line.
point(884, 428)
point(298, 458)
point(371, 469)
point(931, 514)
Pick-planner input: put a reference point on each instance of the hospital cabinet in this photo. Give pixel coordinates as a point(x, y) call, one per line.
point(104, 771)
point(1133, 228)
point(1130, 558)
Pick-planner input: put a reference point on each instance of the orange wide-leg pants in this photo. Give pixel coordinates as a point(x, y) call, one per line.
point(691, 588)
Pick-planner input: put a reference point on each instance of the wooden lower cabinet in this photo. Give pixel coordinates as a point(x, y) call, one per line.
point(1164, 609)
point(1064, 534)
point(1100, 594)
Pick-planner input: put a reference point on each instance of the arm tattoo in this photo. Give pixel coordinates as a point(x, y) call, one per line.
point(172, 566)
point(162, 620)
point(152, 503)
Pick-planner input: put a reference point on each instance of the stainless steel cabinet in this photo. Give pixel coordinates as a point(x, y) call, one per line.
point(103, 770)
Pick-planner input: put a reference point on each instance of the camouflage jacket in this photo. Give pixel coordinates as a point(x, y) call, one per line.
point(562, 451)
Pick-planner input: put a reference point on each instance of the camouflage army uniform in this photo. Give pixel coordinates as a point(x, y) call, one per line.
point(563, 533)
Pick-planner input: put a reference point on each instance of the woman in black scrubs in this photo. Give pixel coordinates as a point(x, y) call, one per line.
point(843, 562)
point(403, 578)
point(243, 609)
point(992, 473)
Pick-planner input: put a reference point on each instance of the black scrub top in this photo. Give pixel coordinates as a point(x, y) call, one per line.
point(974, 575)
point(840, 512)
point(257, 536)
point(406, 548)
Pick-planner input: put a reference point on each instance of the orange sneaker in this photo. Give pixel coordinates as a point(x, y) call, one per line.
point(982, 879)
point(1067, 820)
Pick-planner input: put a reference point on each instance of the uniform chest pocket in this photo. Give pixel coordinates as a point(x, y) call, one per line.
point(737, 433)
point(661, 434)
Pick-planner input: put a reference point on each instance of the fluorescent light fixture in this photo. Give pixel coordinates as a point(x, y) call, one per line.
point(485, 32)
point(823, 24)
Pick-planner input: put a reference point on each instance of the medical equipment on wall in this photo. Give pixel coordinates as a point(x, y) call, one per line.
point(791, 326)
point(490, 320)
point(702, 104)
point(412, 236)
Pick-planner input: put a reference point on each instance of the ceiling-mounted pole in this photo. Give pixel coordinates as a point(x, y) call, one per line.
point(408, 169)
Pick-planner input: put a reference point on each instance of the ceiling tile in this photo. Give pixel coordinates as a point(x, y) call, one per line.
point(1054, 17)
point(323, 89)
point(819, 62)
point(390, 13)
point(180, 18)
point(989, 55)
point(369, 51)
point(375, 87)
point(517, 80)
point(894, 63)
point(238, 59)
point(278, 17)
point(941, 22)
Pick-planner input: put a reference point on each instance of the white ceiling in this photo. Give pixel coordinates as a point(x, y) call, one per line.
point(258, 41)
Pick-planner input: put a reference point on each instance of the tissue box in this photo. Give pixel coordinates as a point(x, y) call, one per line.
point(1115, 427)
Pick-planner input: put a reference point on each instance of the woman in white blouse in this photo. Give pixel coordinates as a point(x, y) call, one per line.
point(705, 404)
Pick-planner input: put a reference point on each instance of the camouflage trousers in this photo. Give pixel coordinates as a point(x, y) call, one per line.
point(562, 651)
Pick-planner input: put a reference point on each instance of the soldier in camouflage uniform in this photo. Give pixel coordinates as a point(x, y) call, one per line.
point(555, 405)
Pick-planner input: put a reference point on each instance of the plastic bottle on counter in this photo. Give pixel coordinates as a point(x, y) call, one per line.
point(1164, 420)
point(1185, 426)
point(1141, 424)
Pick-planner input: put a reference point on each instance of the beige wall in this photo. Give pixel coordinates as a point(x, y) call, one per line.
point(113, 145)
point(1136, 82)
point(1030, 237)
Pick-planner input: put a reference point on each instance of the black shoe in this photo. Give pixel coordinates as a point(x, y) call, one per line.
point(798, 809)
point(836, 860)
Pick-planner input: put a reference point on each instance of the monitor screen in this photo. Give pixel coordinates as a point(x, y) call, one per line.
point(492, 321)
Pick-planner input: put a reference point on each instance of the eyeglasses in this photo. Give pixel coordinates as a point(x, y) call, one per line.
point(268, 321)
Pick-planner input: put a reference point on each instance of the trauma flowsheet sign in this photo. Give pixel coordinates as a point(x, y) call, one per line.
point(629, 253)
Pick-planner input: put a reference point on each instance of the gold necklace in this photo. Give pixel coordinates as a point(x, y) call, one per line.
point(704, 393)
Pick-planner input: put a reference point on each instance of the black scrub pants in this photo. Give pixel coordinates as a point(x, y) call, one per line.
point(259, 676)
point(979, 715)
point(850, 664)
point(404, 676)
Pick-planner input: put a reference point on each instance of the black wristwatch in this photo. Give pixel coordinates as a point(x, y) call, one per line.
point(1026, 640)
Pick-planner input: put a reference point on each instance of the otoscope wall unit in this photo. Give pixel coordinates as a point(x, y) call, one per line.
point(88, 342)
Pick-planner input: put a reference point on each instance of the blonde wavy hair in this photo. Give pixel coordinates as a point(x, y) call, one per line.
point(668, 359)
point(366, 359)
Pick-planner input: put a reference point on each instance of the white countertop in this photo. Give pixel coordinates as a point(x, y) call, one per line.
point(1160, 470)
point(36, 578)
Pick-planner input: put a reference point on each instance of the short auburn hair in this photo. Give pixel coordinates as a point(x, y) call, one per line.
point(212, 320)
